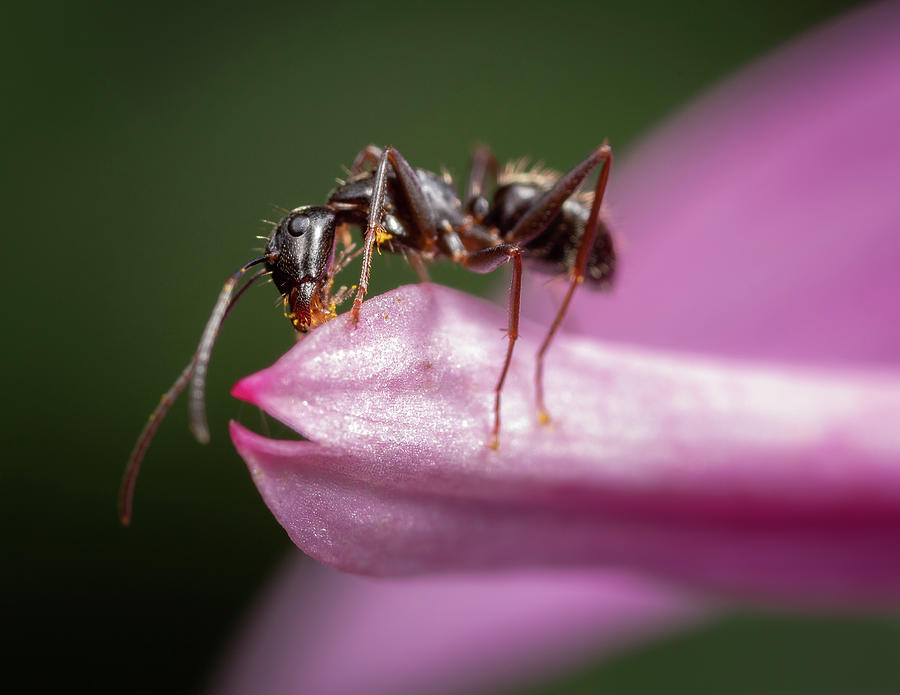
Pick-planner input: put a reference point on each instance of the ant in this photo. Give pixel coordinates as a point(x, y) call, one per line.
point(535, 213)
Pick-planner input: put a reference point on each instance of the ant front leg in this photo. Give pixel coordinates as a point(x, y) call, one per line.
point(484, 262)
point(540, 216)
point(370, 155)
point(373, 229)
point(421, 213)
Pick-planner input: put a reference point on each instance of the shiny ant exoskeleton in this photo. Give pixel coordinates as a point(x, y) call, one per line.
point(538, 214)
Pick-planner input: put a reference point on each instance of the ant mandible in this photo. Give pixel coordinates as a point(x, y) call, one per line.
point(533, 212)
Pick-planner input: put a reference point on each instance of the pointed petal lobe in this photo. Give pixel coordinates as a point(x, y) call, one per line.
point(778, 483)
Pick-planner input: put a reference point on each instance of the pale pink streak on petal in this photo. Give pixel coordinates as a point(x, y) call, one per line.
point(764, 221)
point(319, 632)
point(758, 482)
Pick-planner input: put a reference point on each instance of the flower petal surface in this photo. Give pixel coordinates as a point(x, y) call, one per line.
point(320, 632)
point(761, 223)
point(778, 484)
point(763, 220)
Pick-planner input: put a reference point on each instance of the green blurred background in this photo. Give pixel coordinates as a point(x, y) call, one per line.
point(143, 144)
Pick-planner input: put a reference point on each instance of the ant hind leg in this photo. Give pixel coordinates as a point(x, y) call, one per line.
point(539, 216)
point(576, 274)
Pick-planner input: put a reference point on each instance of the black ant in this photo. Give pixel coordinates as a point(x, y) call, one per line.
point(536, 213)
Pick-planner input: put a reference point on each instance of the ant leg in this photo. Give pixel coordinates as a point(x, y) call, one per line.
point(547, 207)
point(483, 163)
point(576, 276)
point(373, 229)
point(419, 206)
point(418, 265)
point(422, 213)
point(368, 156)
point(484, 262)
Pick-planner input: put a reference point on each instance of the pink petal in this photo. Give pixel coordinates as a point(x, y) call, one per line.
point(321, 632)
point(763, 221)
point(759, 482)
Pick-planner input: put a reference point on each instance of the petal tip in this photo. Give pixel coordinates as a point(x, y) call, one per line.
point(238, 433)
point(248, 388)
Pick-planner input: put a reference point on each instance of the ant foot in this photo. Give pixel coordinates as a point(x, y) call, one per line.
point(544, 417)
point(354, 316)
point(494, 444)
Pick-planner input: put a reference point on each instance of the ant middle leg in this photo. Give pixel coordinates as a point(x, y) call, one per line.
point(485, 261)
point(419, 267)
point(484, 163)
point(422, 214)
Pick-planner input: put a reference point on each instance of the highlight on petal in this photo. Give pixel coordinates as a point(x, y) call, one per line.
point(759, 482)
point(763, 221)
point(319, 632)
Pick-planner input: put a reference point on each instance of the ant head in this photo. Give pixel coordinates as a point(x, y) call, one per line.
point(300, 255)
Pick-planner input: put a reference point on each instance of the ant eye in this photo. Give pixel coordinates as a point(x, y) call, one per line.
point(298, 225)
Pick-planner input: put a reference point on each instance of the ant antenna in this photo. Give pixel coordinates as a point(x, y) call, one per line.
point(196, 394)
point(129, 479)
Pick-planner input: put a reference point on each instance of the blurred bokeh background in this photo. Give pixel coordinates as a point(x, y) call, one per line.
point(143, 144)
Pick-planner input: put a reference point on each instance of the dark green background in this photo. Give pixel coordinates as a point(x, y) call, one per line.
point(143, 143)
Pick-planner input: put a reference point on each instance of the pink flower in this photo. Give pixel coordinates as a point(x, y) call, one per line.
point(763, 227)
point(319, 632)
point(735, 478)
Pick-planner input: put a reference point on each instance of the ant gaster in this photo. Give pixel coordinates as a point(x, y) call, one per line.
point(536, 213)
